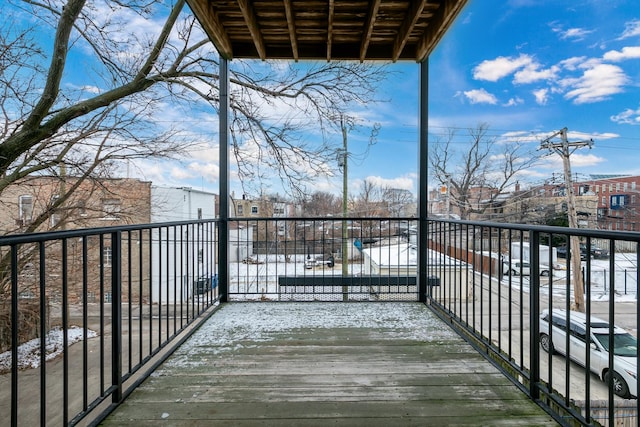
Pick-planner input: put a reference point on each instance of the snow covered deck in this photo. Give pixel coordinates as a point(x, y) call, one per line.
point(326, 363)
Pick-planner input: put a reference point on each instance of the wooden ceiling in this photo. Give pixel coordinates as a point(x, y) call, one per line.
point(326, 30)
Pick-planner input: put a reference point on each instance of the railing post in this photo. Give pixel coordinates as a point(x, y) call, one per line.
point(116, 316)
point(223, 226)
point(14, 335)
point(534, 314)
point(423, 226)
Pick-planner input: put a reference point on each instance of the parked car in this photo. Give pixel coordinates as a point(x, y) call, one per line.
point(599, 253)
point(522, 269)
point(553, 333)
point(563, 250)
point(596, 252)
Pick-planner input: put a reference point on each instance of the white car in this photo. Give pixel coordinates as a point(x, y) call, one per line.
point(522, 269)
point(625, 347)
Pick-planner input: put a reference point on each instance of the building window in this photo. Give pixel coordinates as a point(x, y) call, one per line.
point(111, 208)
point(617, 186)
point(597, 189)
point(200, 256)
point(633, 185)
point(619, 201)
point(55, 215)
point(199, 213)
point(625, 185)
point(240, 210)
point(610, 188)
point(107, 256)
point(604, 200)
point(25, 206)
point(254, 210)
point(82, 208)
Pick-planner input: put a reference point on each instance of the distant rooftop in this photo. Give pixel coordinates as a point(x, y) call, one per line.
point(598, 176)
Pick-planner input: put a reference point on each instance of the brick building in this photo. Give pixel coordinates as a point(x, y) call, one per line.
point(47, 203)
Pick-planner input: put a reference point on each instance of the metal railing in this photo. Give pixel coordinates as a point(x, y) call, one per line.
point(323, 259)
point(506, 312)
point(128, 294)
point(141, 289)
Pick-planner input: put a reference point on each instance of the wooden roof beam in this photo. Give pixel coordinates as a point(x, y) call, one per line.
point(210, 22)
point(368, 29)
point(444, 16)
point(252, 24)
point(405, 29)
point(292, 29)
point(330, 28)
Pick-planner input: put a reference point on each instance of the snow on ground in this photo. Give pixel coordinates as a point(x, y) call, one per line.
point(238, 324)
point(29, 352)
point(625, 280)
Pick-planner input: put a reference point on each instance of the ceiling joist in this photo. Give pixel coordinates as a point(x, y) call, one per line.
point(368, 29)
point(252, 24)
point(363, 30)
point(291, 25)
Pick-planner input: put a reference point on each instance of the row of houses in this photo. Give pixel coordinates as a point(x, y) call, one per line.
point(607, 202)
point(47, 203)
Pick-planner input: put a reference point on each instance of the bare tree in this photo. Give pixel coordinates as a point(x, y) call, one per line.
point(369, 201)
point(49, 120)
point(320, 204)
point(481, 170)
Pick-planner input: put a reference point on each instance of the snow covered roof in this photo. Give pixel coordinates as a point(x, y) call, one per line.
point(405, 255)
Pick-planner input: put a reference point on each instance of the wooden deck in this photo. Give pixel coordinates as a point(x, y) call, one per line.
point(317, 364)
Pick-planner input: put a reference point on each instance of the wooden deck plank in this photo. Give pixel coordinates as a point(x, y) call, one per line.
point(252, 364)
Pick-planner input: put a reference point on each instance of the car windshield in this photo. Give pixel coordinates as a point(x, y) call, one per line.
point(624, 345)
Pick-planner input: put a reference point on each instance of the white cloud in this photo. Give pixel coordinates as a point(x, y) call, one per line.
point(402, 182)
point(578, 160)
point(582, 160)
point(532, 73)
point(480, 96)
point(632, 29)
point(573, 63)
point(208, 171)
point(584, 136)
point(596, 84)
point(629, 52)
point(495, 69)
point(181, 173)
point(542, 96)
point(576, 34)
point(627, 117)
point(514, 101)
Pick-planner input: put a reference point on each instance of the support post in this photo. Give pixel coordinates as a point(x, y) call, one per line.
point(223, 228)
point(345, 230)
point(423, 190)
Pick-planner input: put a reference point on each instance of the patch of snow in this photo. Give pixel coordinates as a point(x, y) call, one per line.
point(238, 324)
point(29, 352)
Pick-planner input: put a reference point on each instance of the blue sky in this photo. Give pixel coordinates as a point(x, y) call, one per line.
point(527, 68)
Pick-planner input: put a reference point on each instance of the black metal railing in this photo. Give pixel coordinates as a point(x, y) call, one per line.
point(323, 259)
point(131, 294)
point(128, 294)
point(505, 289)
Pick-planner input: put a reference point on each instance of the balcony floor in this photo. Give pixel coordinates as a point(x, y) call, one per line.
point(292, 364)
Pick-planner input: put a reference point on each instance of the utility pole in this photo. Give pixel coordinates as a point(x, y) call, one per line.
point(345, 230)
point(565, 148)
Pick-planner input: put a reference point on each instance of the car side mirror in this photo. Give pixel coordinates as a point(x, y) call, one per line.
point(594, 346)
